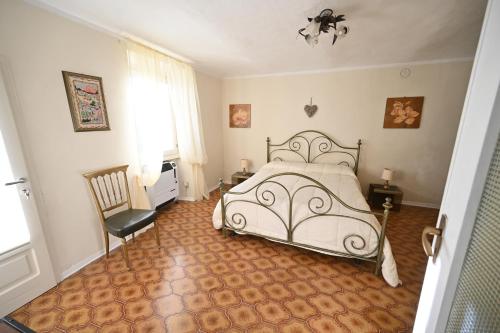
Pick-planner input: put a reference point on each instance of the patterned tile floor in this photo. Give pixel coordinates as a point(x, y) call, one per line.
point(200, 281)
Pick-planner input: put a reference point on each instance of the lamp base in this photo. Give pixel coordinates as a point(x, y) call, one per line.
point(386, 185)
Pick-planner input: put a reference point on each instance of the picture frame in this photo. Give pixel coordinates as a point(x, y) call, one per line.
point(86, 101)
point(403, 112)
point(240, 115)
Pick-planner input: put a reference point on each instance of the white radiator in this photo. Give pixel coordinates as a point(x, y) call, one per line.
point(166, 188)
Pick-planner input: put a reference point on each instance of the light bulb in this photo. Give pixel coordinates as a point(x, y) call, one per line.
point(341, 31)
point(312, 40)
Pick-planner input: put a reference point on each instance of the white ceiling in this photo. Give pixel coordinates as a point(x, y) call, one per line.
point(252, 37)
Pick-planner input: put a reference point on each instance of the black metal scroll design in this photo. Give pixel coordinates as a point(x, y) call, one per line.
point(311, 145)
point(270, 192)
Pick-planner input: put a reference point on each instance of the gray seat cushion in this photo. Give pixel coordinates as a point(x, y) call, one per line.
point(128, 221)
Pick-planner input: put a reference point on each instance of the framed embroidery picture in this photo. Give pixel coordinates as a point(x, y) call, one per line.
point(403, 112)
point(86, 102)
point(240, 115)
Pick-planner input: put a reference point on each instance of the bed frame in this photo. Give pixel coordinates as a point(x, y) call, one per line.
point(308, 146)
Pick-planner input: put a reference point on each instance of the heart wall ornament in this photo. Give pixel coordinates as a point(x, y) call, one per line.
point(310, 109)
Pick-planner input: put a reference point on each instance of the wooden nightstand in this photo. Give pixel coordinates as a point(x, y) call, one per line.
point(377, 194)
point(239, 177)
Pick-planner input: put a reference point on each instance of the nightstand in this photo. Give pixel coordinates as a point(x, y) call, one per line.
point(239, 177)
point(377, 194)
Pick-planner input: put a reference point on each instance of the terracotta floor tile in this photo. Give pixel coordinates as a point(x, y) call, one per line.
point(44, 303)
point(295, 326)
point(201, 281)
point(326, 324)
point(353, 301)
point(225, 297)
point(44, 321)
point(73, 299)
point(107, 313)
point(251, 295)
point(197, 302)
point(102, 296)
point(182, 323)
point(138, 309)
point(355, 322)
point(150, 325)
point(243, 316)
point(300, 308)
point(158, 289)
point(386, 321)
point(118, 327)
point(75, 318)
point(214, 321)
point(168, 305)
point(326, 304)
point(272, 312)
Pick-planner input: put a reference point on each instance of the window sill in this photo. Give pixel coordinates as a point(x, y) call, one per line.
point(169, 157)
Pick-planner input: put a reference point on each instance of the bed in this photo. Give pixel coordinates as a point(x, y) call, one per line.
point(308, 195)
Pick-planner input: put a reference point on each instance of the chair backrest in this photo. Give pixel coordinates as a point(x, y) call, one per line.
point(109, 189)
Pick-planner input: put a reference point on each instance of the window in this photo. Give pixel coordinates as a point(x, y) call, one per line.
point(169, 132)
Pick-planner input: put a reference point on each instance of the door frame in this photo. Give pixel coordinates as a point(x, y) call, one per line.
point(474, 147)
point(33, 216)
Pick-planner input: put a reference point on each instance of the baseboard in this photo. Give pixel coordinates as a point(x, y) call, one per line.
point(185, 198)
point(189, 198)
point(84, 262)
point(213, 188)
point(421, 204)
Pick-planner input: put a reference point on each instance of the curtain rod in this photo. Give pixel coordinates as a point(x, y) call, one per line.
point(145, 43)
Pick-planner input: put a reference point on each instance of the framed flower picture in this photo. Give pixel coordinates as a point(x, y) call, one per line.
point(240, 115)
point(403, 112)
point(86, 102)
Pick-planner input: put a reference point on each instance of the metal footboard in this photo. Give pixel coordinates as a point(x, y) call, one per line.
point(264, 194)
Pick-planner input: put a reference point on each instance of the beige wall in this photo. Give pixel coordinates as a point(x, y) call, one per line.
point(39, 45)
point(210, 93)
point(351, 106)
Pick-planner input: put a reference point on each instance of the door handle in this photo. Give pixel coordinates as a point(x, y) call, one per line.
point(21, 180)
point(438, 233)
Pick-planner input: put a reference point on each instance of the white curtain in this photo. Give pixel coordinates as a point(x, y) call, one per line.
point(156, 84)
point(147, 98)
point(183, 95)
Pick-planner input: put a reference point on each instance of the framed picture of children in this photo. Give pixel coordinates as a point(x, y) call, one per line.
point(86, 102)
point(403, 112)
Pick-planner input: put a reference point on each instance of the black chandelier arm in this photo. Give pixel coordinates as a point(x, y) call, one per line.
point(326, 20)
point(334, 39)
point(326, 10)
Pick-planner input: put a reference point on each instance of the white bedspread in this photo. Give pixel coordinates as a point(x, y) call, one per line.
point(325, 231)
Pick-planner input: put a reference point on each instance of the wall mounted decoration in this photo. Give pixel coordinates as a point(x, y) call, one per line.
point(86, 102)
point(405, 73)
point(240, 115)
point(325, 21)
point(310, 109)
point(403, 112)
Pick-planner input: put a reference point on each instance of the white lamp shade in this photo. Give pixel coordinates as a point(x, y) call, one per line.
point(244, 164)
point(387, 174)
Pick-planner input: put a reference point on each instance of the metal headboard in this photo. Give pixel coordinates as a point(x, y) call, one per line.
point(311, 144)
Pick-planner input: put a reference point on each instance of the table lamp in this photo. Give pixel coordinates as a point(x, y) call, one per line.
point(386, 176)
point(244, 165)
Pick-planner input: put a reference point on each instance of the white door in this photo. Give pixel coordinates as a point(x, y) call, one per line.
point(474, 147)
point(25, 266)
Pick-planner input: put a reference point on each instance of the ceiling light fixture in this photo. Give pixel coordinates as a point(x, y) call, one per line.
point(323, 23)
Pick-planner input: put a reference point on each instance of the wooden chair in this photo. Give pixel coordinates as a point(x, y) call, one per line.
point(110, 191)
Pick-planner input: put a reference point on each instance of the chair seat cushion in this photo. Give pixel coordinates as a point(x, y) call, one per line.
point(128, 221)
